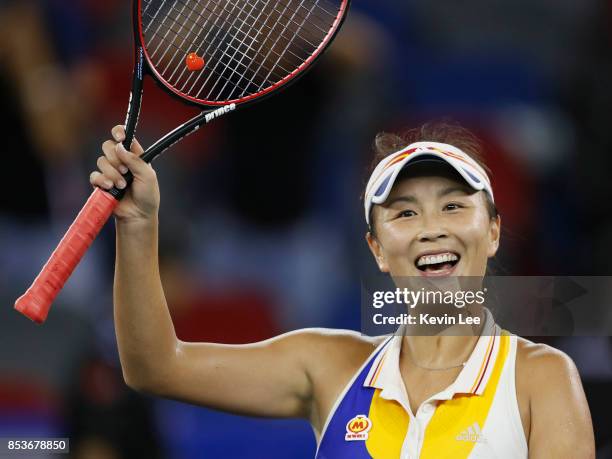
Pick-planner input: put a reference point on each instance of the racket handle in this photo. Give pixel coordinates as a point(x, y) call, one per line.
point(36, 301)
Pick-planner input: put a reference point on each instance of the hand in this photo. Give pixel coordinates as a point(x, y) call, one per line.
point(141, 201)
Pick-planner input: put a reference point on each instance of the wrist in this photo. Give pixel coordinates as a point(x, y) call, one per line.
point(136, 224)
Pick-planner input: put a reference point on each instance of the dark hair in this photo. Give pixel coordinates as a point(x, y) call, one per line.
point(444, 131)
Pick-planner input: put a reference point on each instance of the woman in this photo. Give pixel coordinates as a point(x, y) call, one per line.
point(430, 211)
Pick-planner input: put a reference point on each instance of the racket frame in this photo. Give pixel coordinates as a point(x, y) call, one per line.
point(212, 109)
point(38, 298)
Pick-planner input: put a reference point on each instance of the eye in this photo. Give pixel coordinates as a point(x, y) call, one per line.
point(453, 206)
point(406, 213)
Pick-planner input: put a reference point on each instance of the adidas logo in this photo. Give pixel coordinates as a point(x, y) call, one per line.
point(472, 434)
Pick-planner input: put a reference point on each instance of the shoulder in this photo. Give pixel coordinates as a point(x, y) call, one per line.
point(330, 356)
point(540, 368)
point(542, 359)
point(330, 344)
point(559, 418)
point(319, 351)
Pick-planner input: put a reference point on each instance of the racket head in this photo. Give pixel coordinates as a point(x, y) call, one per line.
point(250, 48)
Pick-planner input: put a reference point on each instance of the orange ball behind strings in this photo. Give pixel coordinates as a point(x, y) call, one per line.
point(194, 62)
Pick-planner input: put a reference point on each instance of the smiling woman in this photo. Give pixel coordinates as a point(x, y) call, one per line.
point(386, 144)
point(447, 172)
point(430, 210)
point(466, 392)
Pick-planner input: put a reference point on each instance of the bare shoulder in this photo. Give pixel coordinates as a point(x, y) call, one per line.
point(541, 367)
point(559, 422)
point(318, 350)
point(325, 346)
point(340, 335)
point(541, 359)
point(332, 357)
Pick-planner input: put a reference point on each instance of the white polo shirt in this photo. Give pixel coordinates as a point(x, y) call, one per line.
point(477, 416)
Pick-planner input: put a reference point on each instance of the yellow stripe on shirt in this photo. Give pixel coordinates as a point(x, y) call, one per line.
point(389, 428)
point(463, 410)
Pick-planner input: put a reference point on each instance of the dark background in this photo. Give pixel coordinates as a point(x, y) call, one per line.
point(261, 222)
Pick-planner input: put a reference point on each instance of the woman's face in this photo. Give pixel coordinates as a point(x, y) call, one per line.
point(433, 224)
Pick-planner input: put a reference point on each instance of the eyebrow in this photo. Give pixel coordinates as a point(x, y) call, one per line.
point(412, 199)
point(453, 189)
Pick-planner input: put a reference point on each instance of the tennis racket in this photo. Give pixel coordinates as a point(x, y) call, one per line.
point(215, 54)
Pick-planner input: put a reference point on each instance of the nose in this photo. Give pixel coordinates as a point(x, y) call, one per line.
point(431, 231)
point(432, 235)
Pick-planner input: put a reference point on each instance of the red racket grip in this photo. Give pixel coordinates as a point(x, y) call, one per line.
point(36, 301)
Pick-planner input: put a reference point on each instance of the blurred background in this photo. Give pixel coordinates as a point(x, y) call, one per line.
point(242, 261)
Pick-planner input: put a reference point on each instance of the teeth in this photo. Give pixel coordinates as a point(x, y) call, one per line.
point(434, 259)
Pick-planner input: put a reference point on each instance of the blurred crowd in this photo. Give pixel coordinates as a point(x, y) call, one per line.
point(261, 221)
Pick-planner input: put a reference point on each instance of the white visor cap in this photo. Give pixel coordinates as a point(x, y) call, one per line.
point(382, 179)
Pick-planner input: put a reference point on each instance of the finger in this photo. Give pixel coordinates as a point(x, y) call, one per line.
point(97, 179)
point(133, 162)
point(108, 148)
point(110, 172)
point(136, 148)
point(118, 133)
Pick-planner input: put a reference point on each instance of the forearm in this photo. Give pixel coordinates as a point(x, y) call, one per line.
point(145, 334)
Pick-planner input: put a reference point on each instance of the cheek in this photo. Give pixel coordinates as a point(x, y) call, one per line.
point(395, 238)
point(474, 231)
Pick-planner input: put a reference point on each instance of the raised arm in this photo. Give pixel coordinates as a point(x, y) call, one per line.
point(270, 378)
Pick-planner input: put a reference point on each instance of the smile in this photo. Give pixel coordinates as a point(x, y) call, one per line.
point(437, 264)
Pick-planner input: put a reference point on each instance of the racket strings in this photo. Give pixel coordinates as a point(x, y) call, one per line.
point(177, 32)
point(245, 68)
point(248, 46)
point(251, 16)
point(237, 53)
point(214, 71)
point(286, 47)
point(239, 62)
point(179, 49)
point(180, 12)
point(183, 51)
point(255, 18)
